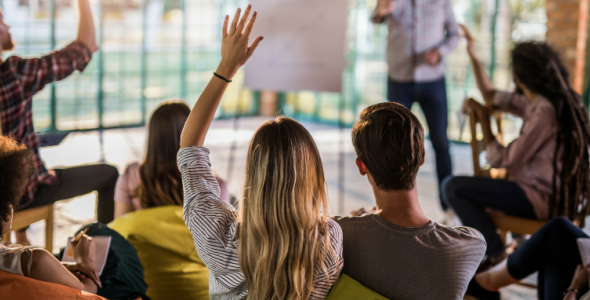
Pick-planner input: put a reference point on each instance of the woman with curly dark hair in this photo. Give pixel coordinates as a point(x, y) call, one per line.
point(548, 165)
point(16, 167)
point(54, 279)
point(15, 160)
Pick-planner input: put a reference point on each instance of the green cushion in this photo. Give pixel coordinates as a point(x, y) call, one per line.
point(347, 288)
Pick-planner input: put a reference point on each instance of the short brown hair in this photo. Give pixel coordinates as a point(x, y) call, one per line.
point(389, 140)
point(16, 168)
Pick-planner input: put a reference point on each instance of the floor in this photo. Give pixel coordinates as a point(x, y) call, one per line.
point(121, 147)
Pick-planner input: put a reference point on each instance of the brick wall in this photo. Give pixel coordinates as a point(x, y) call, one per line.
point(567, 29)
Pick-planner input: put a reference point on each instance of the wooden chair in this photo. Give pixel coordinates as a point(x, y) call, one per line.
point(503, 222)
point(26, 217)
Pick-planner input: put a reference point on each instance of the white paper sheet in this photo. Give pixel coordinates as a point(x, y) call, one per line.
point(303, 46)
point(584, 248)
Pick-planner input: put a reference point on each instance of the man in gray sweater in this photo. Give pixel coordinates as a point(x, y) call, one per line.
point(398, 252)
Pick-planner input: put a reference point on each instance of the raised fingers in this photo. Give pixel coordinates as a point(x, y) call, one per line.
point(225, 26)
point(244, 19)
point(254, 45)
point(250, 25)
point(234, 22)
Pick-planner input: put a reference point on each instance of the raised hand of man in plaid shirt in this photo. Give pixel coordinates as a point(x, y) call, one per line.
point(421, 34)
point(20, 80)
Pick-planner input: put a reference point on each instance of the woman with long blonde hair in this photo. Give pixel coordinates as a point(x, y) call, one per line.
point(281, 244)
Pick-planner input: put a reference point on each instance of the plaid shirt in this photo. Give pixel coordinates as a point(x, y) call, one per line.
point(416, 26)
point(20, 79)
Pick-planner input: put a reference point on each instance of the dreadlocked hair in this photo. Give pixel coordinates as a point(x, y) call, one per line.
point(539, 68)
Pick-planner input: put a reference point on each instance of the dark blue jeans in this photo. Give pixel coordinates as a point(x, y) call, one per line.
point(553, 252)
point(469, 196)
point(432, 97)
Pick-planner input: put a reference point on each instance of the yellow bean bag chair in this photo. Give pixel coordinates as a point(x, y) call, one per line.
point(172, 267)
point(347, 288)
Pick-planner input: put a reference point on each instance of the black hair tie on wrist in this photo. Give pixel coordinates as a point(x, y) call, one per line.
point(221, 77)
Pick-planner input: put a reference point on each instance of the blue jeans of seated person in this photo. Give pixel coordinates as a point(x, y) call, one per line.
point(553, 252)
point(469, 196)
point(432, 97)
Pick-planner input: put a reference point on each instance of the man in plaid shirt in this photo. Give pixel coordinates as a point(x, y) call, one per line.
point(421, 34)
point(20, 80)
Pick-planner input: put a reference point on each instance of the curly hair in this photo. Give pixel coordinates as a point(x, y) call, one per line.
point(539, 68)
point(16, 168)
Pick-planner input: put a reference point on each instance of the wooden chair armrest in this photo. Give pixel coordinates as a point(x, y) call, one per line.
point(514, 224)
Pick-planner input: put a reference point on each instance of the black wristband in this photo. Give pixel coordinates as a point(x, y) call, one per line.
point(221, 77)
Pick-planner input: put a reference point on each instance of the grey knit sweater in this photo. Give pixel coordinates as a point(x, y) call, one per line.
point(427, 262)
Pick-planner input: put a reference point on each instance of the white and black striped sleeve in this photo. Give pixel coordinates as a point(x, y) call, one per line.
point(325, 279)
point(212, 223)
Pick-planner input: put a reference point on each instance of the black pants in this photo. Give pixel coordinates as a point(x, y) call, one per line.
point(432, 97)
point(469, 196)
point(78, 181)
point(553, 252)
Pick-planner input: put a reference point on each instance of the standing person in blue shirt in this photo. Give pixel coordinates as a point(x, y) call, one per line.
point(421, 34)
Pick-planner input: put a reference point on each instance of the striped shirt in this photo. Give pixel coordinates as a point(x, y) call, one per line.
point(416, 26)
point(213, 222)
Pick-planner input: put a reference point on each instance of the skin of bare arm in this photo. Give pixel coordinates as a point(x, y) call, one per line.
point(498, 277)
point(579, 281)
point(86, 31)
point(122, 208)
point(235, 52)
point(483, 81)
point(570, 296)
point(47, 268)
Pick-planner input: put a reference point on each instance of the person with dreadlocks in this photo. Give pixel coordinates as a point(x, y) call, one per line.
point(548, 167)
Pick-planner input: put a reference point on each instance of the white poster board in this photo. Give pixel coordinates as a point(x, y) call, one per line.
point(303, 46)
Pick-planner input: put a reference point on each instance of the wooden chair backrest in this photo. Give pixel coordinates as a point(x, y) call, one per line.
point(479, 146)
point(26, 217)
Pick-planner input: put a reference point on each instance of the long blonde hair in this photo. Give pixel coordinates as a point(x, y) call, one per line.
point(283, 235)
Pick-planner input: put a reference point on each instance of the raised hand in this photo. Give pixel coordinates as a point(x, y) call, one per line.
point(470, 42)
point(235, 52)
point(235, 47)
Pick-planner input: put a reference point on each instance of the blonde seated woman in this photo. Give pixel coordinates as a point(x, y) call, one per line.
point(281, 244)
point(148, 212)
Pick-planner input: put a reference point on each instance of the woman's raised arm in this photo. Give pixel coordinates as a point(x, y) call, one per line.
point(483, 81)
point(235, 51)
